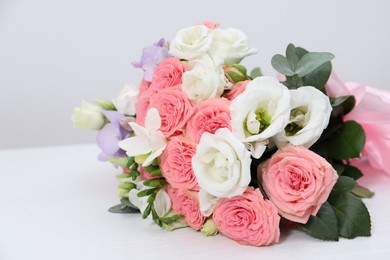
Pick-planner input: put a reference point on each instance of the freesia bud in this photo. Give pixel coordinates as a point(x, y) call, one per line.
point(209, 228)
point(235, 73)
point(88, 116)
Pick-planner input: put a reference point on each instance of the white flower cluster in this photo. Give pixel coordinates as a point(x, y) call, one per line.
point(207, 50)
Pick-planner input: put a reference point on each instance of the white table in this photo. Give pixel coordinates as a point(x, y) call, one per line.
point(54, 205)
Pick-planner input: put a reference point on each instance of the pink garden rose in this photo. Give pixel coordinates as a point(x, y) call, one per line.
point(210, 115)
point(186, 203)
point(167, 74)
point(236, 90)
point(142, 102)
point(298, 181)
point(372, 112)
point(210, 25)
point(248, 219)
point(175, 163)
point(175, 110)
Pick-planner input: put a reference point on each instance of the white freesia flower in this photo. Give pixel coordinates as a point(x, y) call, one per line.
point(162, 203)
point(309, 116)
point(229, 46)
point(126, 100)
point(221, 164)
point(148, 140)
point(190, 43)
point(207, 202)
point(87, 116)
point(203, 80)
point(260, 112)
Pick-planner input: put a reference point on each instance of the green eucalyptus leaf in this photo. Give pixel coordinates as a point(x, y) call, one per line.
point(348, 142)
point(300, 52)
point(362, 192)
point(292, 56)
point(352, 215)
point(353, 172)
point(311, 61)
point(318, 77)
point(282, 65)
point(122, 209)
point(324, 225)
point(256, 72)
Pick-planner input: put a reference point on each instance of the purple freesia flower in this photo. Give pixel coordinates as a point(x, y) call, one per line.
point(109, 136)
point(151, 57)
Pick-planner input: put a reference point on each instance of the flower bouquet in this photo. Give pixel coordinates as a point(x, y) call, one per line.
point(201, 142)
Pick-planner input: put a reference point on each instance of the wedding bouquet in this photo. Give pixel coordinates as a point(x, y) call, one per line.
point(203, 143)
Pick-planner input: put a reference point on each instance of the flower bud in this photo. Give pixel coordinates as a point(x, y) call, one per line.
point(180, 223)
point(209, 228)
point(235, 73)
point(88, 116)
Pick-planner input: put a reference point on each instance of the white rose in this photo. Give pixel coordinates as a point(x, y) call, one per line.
point(88, 116)
point(309, 116)
point(190, 43)
point(260, 112)
point(204, 79)
point(126, 100)
point(221, 164)
point(229, 46)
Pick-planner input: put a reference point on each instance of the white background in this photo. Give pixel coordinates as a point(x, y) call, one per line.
point(53, 53)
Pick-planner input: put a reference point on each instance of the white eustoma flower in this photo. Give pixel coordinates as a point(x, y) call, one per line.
point(204, 79)
point(148, 140)
point(126, 100)
point(190, 43)
point(88, 116)
point(229, 46)
point(260, 112)
point(309, 116)
point(221, 164)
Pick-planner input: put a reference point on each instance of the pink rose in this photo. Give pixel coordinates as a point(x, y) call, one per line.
point(211, 25)
point(209, 116)
point(186, 203)
point(167, 74)
point(175, 164)
point(298, 181)
point(248, 219)
point(175, 110)
point(236, 90)
point(372, 111)
point(142, 103)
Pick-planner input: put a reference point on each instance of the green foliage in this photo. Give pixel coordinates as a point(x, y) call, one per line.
point(342, 105)
point(352, 215)
point(362, 192)
point(303, 68)
point(352, 172)
point(324, 225)
point(125, 207)
point(348, 142)
point(256, 72)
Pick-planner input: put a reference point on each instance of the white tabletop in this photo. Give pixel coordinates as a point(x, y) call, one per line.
point(54, 205)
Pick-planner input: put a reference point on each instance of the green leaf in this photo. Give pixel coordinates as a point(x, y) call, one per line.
point(147, 192)
point(236, 77)
point(362, 192)
point(342, 105)
point(292, 56)
point(352, 215)
point(352, 172)
point(324, 225)
point(122, 209)
point(150, 168)
point(105, 104)
point(318, 77)
point(256, 72)
point(154, 182)
point(282, 65)
point(127, 203)
point(348, 142)
point(311, 61)
point(343, 185)
point(300, 52)
point(147, 211)
point(339, 168)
